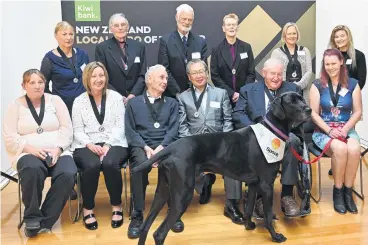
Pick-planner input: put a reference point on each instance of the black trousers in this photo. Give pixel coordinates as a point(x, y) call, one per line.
point(33, 172)
point(139, 180)
point(90, 166)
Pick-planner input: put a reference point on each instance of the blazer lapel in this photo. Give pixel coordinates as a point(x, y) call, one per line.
point(210, 97)
point(178, 44)
point(258, 92)
point(191, 46)
point(238, 50)
point(226, 55)
point(115, 52)
point(130, 55)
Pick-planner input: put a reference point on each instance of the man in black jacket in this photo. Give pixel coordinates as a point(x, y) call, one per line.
point(232, 61)
point(178, 48)
point(151, 123)
point(124, 59)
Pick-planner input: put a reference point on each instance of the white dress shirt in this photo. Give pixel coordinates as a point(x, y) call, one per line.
point(86, 127)
point(204, 100)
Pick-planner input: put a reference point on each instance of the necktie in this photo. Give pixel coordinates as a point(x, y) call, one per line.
point(123, 48)
point(273, 94)
point(185, 45)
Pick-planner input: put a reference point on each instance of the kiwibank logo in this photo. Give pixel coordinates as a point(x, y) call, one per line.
point(87, 10)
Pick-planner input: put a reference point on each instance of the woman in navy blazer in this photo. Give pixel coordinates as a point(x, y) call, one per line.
point(64, 66)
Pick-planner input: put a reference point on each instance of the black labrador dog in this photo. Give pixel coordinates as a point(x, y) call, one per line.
point(234, 154)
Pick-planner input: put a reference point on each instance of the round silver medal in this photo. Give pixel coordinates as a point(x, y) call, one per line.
point(101, 129)
point(294, 74)
point(196, 114)
point(156, 125)
point(75, 80)
point(39, 130)
point(233, 71)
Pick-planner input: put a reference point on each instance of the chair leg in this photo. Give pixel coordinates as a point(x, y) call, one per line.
point(79, 199)
point(319, 185)
point(20, 206)
point(361, 194)
point(125, 191)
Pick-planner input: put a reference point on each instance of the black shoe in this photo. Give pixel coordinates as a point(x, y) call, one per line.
point(73, 195)
point(32, 228)
point(338, 200)
point(117, 223)
point(349, 201)
point(205, 196)
point(135, 224)
point(234, 214)
point(178, 226)
point(91, 226)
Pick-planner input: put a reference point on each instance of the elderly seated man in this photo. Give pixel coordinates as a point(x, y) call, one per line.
point(151, 123)
point(252, 105)
point(206, 109)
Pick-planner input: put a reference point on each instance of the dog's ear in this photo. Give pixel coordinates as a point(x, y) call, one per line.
point(277, 109)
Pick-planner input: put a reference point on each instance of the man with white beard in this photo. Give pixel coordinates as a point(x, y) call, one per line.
point(178, 48)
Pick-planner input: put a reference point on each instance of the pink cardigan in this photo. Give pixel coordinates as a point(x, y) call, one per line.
point(20, 128)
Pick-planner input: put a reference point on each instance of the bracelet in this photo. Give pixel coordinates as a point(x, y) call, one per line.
point(330, 131)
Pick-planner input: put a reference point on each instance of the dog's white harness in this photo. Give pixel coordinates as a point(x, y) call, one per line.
point(272, 146)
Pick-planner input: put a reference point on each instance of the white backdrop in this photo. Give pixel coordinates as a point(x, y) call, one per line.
point(28, 26)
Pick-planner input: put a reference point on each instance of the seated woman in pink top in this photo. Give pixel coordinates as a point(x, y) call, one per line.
point(37, 133)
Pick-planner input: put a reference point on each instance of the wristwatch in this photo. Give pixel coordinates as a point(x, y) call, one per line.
point(61, 149)
point(108, 145)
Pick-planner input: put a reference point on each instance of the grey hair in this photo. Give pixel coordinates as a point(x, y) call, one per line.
point(196, 61)
point(184, 8)
point(272, 62)
point(153, 69)
point(114, 16)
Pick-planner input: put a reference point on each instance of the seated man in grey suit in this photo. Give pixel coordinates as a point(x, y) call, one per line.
point(204, 108)
point(251, 107)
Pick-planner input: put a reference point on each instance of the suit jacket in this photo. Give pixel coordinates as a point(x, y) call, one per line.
point(222, 65)
point(216, 118)
point(251, 107)
point(125, 82)
point(171, 55)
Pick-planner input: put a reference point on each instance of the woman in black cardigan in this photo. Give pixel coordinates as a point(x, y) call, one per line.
point(342, 40)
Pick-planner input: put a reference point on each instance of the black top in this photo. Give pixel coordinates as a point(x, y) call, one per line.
point(294, 68)
point(139, 124)
point(360, 72)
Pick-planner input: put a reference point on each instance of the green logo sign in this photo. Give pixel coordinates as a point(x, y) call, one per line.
point(87, 10)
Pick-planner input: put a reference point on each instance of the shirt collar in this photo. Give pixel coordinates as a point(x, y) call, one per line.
point(197, 90)
point(181, 35)
point(151, 98)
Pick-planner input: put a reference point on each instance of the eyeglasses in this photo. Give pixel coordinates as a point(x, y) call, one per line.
point(197, 73)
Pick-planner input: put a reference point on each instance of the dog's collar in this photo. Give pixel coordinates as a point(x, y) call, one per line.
point(276, 130)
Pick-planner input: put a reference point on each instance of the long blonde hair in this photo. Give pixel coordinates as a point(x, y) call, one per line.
point(351, 49)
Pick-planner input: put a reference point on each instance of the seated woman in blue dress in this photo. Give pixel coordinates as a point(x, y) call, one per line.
point(336, 102)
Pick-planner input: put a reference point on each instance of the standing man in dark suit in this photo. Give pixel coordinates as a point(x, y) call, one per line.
point(232, 61)
point(124, 59)
point(180, 47)
point(251, 107)
point(206, 109)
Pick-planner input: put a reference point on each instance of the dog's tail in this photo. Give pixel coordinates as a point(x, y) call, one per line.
point(152, 160)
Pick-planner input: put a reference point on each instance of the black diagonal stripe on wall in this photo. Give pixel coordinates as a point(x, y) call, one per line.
point(283, 12)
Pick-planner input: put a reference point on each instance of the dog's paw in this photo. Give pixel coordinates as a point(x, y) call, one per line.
point(279, 238)
point(250, 226)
